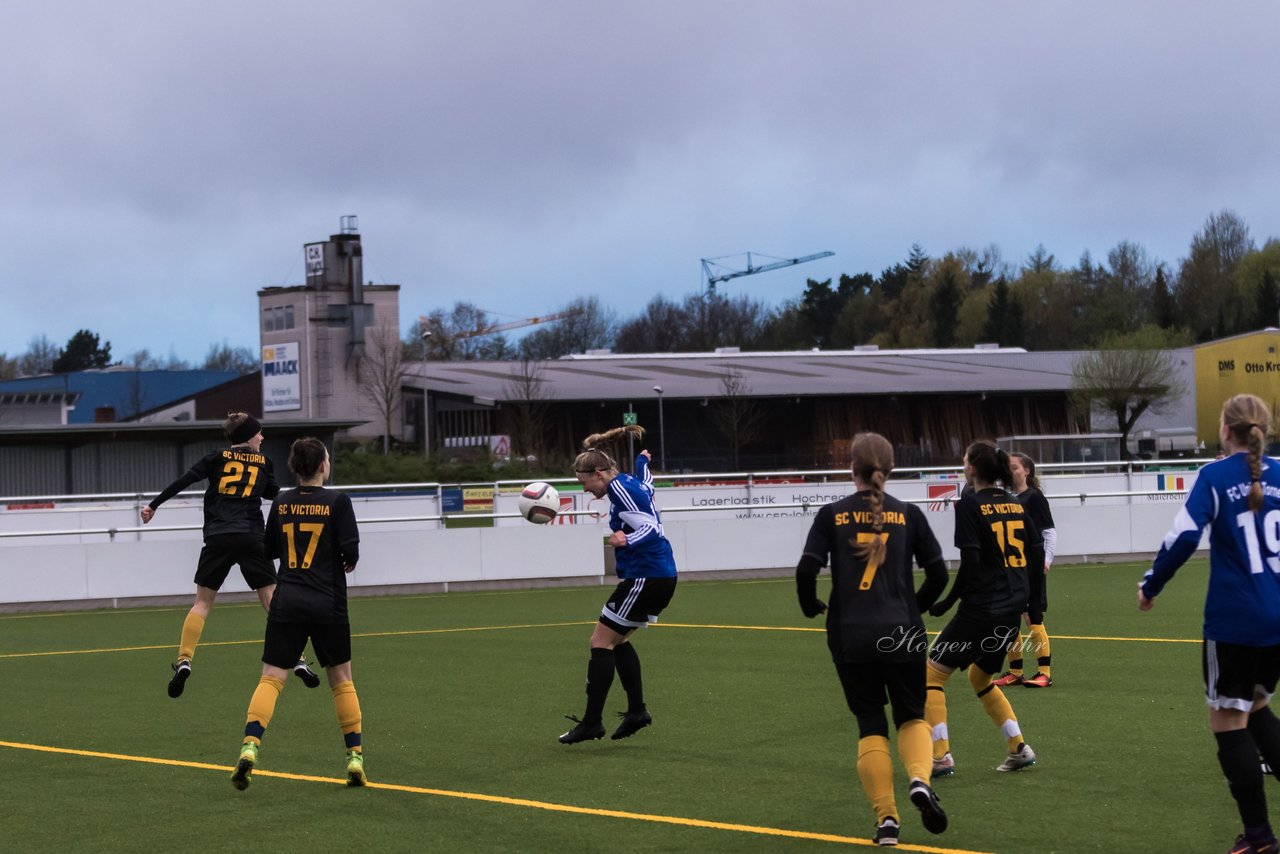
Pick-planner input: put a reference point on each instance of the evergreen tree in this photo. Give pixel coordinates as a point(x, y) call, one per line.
point(1268, 301)
point(943, 305)
point(1164, 310)
point(82, 353)
point(998, 313)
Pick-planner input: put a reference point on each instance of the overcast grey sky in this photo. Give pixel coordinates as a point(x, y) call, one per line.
point(162, 161)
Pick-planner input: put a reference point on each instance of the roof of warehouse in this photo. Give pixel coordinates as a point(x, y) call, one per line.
point(790, 374)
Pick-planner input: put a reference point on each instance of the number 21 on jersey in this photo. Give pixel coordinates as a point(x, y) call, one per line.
point(235, 473)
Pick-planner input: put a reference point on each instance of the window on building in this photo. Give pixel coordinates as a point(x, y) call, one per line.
point(277, 318)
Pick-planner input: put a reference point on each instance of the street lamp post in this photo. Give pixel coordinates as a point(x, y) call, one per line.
point(426, 405)
point(662, 433)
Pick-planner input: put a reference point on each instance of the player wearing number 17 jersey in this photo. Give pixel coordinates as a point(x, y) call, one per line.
point(239, 478)
point(874, 630)
point(312, 531)
point(1238, 499)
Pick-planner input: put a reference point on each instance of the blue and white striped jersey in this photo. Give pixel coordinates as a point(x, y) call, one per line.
point(1243, 602)
point(647, 553)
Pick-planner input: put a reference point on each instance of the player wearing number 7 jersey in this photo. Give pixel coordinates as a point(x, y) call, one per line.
point(239, 478)
point(1238, 499)
point(874, 630)
point(1001, 570)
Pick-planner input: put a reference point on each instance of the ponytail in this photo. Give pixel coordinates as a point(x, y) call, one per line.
point(872, 462)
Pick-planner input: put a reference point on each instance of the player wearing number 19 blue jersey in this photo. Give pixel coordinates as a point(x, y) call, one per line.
point(1238, 499)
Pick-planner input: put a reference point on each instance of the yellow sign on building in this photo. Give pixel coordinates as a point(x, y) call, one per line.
point(1243, 364)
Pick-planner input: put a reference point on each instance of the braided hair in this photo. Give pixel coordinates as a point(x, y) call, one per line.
point(594, 457)
point(1249, 421)
point(872, 462)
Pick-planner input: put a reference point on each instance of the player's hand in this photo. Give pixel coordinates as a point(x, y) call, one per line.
point(812, 607)
point(618, 540)
point(645, 453)
point(147, 514)
point(1144, 604)
point(942, 607)
point(1035, 618)
point(350, 567)
point(1046, 567)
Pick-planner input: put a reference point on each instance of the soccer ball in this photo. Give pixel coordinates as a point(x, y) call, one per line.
point(539, 503)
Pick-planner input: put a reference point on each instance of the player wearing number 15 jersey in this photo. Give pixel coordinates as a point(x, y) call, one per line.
point(239, 478)
point(1001, 570)
point(312, 532)
point(874, 630)
point(1238, 499)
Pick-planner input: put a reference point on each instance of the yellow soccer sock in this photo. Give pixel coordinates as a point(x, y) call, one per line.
point(261, 707)
point(1015, 656)
point(997, 706)
point(1040, 643)
point(192, 627)
point(935, 710)
point(915, 747)
point(347, 705)
point(875, 769)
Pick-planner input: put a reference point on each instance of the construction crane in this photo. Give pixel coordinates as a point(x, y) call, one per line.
point(425, 324)
point(777, 264)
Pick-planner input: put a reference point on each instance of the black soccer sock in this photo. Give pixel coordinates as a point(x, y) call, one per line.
point(1264, 726)
point(627, 661)
point(1238, 756)
point(599, 680)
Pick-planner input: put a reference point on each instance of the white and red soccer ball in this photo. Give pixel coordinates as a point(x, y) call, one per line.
point(539, 503)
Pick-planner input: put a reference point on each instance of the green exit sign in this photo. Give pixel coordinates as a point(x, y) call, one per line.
point(629, 418)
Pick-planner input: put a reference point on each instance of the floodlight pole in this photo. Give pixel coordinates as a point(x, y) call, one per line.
point(662, 433)
point(426, 400)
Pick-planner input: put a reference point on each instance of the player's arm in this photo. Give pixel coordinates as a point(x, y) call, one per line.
point(1182, 540)
point(643, 473)
point(817, 547)
point(635, 511)
point(271, 535)
point(196, 473)
point(968, 541)
point(928, 556)
point(270, 488)
point(1043, 518)
point(346, 532)
point(970, 561)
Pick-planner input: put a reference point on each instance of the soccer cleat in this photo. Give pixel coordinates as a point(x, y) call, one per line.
point(944, 767)
point(178, 681)
point(931, 814)
point(1040, 680)
point(1007, 678)
point(887, 832)
point(355, 769)
point(583, 731)
point(632, 722)
point(243, 775)
point(306, 674)
point(1244, 846)
point(1021, 758)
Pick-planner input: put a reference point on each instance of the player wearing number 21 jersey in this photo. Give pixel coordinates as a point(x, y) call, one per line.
point(239, 478)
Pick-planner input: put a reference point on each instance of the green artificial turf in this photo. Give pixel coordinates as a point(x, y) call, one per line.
point(464, 694)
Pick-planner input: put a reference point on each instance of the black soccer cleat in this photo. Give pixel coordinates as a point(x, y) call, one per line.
point(582, 731)
point(931, 814)
point(178, 681)
point(632, 722)
point(306, 674)
point(887, 832)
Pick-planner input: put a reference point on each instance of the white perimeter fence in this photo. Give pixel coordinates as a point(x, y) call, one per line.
point(92, 549)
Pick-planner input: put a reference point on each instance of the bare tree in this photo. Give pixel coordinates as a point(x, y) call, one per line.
point(736, 415)
point(1128, 375)
point(224, 357)
point(528, 393)
point(382, 372)
point(40, 356)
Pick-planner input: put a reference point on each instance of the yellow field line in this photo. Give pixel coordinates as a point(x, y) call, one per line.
point(460, 629)
point(499, 799)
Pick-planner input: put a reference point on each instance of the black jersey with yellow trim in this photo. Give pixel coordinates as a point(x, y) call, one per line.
point(873, 613)
point(1007, 539)
point(239, 478)
point(312, 531)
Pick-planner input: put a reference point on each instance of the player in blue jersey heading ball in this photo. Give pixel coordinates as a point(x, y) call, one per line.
point(647, 573)
point(1238, 499)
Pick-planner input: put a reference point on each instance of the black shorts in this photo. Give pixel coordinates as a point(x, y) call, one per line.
point(285, 641)
point(637, 602)
point(1235, 675)
point(223, 551)
point(978, 640)
point(868, 685)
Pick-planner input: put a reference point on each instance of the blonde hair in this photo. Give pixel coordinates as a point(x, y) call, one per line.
point(1248, 419)
point(594, 457)
point(872, 462)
